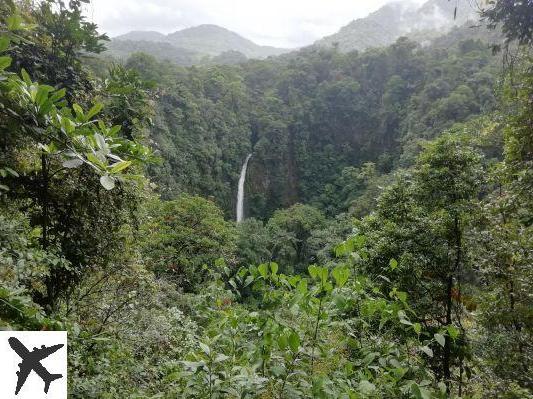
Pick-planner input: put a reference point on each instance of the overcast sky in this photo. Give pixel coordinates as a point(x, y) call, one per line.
point(281, 23)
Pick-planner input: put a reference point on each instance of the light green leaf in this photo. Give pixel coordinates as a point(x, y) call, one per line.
point(294, 341)
point(96, 108)
point(263, 270)
point(14, 22)
point(393, 263)
point(4, 43)
point(11, 171)
point(100, 140)
point(440, 339)
point(341, 275)
point(73, 163)
point(323, 272)
point(313, 271)
point(114, 130)
point(205, 348)
point(417, 327)
point(25, 77)
point(427, 350)
point(302, 287)
point(274, 267)
point(366, 387)
point(5, 61)
point(221, 358)
point(120, 166)
point(107, 182)
point(419, 392)
point(79, 112)
point(453, 332)
point(283, 342)
point(248, 281)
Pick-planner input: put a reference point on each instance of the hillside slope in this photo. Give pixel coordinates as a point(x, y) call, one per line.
point(403, 18)
point(191, 46)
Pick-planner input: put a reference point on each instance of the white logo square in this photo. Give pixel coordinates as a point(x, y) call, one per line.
point(33, 364)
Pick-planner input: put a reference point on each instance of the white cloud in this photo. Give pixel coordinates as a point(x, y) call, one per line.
point(282, 23)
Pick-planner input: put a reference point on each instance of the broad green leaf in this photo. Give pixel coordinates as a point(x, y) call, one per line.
point(42, 96)
point(14, 22)
point(96, 161)
point(79, 112)
point(453, 332)
point(221, 358)
point(263, 270)
point(73, 163)
point(58, 95)
point(340, 250)
point(323, 272)
point(366, 387)
point(4, 43)
point(283, 342)
point(417, 327)
point(25, 77)
point(313, 271)
point(205, 348)
point(68, 125)
point(302, 287)
point(440, 339)
point(96, 108)
point(107, 182)
point(294, 341)
point(402, 296)
point(419, 392)
point(393, 263)
point(120, 166)
point(249, 280)
point(427, 350)
point(274, 267)
point(100, 141)
point(11, 171)
point(5, 61)
point(341, 275)
point(114, 130)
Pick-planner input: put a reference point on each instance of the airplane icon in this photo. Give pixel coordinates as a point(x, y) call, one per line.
point(32, 361)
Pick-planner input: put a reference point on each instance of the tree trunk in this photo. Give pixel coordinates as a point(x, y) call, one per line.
point(44, 200)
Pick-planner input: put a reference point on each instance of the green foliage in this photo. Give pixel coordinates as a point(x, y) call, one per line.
point(184, 237)
point(313, 121)
point(302, 341)
point(290, 231)
point(429, 296)
point(515, 19)
point(23, 269)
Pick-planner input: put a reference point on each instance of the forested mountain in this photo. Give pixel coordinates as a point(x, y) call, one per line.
point(310, 119)
point(391, 249)
point(402, 18)
point(190, 46)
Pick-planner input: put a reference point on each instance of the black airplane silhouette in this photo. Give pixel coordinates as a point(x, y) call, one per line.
point(32, 361)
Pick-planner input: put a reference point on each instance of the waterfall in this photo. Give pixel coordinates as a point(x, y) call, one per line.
point(240, 193)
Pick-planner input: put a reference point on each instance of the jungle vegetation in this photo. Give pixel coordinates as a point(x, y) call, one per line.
point(388, 247)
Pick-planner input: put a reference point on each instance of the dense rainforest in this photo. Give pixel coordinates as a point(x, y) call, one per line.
point(388, 246)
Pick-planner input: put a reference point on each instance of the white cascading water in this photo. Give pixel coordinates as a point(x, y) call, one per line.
point(240, 193)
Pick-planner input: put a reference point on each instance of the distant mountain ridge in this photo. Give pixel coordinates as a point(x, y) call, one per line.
point(402, 18)
point(190, 45)
point(212, 44)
